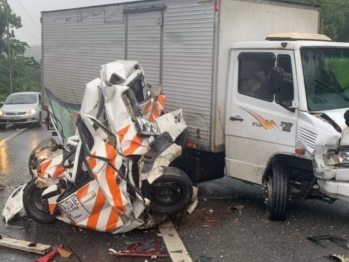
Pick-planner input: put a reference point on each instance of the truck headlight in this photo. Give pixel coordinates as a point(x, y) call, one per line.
point(31, 112)
point(331, 158)
point(146, 127)
point(1, 112)
point(343, 156)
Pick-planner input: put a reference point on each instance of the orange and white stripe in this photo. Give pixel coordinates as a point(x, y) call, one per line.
point(129, 142)
point(52, 167)
point(154, 107)
point(106, 202)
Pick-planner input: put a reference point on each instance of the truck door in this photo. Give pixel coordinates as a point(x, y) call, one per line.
point(257, 126)
point(143, 42)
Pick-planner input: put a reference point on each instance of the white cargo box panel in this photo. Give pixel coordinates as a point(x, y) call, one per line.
point(182, 44)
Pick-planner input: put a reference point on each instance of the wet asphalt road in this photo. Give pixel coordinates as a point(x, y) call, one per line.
point(212, 233)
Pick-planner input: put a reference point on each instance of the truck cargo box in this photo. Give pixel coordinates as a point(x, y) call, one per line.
point(181, 44)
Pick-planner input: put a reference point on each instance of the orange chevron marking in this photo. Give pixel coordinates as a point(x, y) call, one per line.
point(123, 132)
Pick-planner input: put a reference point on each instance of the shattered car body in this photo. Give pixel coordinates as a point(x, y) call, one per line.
point(104, 177)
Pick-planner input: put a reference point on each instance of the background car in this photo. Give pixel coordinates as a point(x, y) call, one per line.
point(22, 108)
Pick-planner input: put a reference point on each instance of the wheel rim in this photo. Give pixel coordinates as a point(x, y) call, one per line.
point(268, 191)
point(167, 194)
point(39, 204)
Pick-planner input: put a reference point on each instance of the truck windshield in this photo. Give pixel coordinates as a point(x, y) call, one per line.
point(326, 77)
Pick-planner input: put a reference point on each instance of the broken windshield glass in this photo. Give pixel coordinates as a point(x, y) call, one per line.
point(64, 113)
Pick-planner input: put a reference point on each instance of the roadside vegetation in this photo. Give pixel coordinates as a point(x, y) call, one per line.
point(26, 72)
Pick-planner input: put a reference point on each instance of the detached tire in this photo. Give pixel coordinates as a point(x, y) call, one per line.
point(35, 206)
point(277, 191)
point(170, 193)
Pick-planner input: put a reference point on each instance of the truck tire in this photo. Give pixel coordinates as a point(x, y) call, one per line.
point(2, 127)
point(35, 206)
point(170, 193)
point(277, 191)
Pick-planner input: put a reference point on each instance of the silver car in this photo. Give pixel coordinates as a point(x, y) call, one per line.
point(22, 108)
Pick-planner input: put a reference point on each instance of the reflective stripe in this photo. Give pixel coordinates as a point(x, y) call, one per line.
point(44, 166)
point(135, 144)
point(123, 132)
point(59, 171)
point(97, 208)
point(113, 220)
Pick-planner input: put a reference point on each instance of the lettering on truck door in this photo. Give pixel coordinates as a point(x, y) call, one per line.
point(258, 126)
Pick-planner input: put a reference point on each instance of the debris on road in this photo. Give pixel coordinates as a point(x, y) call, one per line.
point(296, 234)
point(209, 212)
point(148, 249)
point(24, 245)
point(238, 208)
point(337, 240)
point(339, 258)
point(50, 255)
point(64, 253)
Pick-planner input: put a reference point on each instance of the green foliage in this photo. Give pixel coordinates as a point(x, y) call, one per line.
point(335, 18)
point(26, 72)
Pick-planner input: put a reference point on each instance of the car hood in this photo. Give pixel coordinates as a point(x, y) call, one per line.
point(18, 107)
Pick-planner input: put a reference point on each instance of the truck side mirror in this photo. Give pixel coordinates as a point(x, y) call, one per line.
point(276, 80)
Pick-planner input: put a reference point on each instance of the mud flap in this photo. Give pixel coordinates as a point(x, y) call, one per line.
point(14, 203)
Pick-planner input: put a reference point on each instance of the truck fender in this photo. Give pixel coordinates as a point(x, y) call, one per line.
point(279, 157)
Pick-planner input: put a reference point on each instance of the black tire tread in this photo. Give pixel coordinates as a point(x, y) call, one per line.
point(40, 218)
point(171, 173)
point(281, 192)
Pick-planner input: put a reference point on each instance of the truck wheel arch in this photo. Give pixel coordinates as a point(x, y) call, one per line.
point(286, 158)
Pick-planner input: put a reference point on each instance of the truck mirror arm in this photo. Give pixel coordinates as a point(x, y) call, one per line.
point(291, 109)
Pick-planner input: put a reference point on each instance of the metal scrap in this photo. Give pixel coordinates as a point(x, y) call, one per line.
point(50, 255)
point(148, 249)
point(339, 258)
point(337, 240)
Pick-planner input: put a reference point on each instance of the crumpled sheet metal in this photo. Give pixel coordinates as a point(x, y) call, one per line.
point(14, 203)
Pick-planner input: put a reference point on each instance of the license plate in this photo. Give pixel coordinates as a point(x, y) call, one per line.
point(15, 118)
point(73, 209)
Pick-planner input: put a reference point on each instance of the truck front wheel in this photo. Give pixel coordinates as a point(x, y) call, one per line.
point(277, 192)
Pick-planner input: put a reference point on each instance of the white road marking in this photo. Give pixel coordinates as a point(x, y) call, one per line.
point(12, 136)
point(174, 244)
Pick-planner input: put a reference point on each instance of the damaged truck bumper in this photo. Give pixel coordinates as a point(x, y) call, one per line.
point(335, 189)
point(333, 180)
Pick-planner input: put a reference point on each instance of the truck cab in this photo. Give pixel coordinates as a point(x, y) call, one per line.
point(286, 120)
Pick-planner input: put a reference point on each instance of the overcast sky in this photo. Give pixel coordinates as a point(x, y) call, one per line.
point(29, 11)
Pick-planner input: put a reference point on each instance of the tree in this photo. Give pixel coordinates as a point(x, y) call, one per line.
point(335, 21)
point(26, 72)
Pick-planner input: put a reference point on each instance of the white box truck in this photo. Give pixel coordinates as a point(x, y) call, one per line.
point(272, 112)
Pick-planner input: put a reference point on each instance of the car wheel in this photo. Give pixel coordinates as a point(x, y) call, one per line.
point(38, 124)
point(2, 127)
point(277, 192)
point(36, 207)
point(170, 193)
